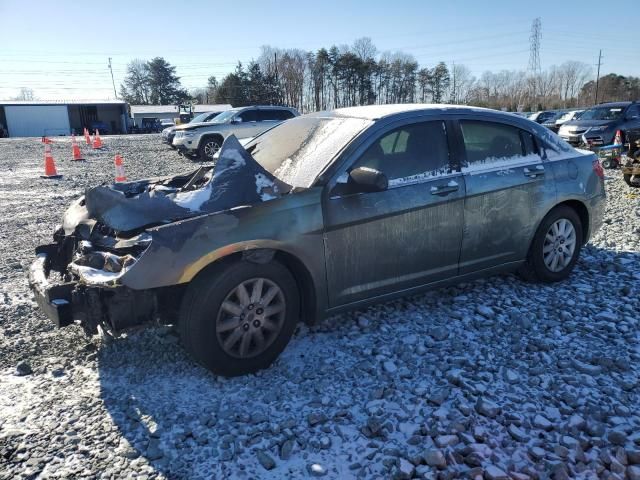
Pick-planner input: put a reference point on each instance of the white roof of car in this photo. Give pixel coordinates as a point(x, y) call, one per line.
point(373, 112)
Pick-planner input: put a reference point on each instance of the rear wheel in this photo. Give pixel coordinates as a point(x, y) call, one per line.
point(209, 147)
point(556, 246)
point(237, 319)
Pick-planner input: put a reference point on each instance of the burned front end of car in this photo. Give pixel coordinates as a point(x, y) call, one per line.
point(78, 278)
point(102, 268)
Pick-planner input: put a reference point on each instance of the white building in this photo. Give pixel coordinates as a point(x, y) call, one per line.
point(51, 118)
point(138, 112)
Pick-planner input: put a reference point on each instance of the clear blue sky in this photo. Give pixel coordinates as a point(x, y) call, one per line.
point(60, 48)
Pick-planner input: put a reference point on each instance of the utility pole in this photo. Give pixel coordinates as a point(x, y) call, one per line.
point(453, 67)
point(598, 75)
point(112, 80)
point(275, 64)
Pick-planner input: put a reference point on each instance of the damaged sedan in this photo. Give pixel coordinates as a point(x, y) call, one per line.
point(325, 212)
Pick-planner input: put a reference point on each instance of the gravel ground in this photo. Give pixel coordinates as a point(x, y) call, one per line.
point(492, 379)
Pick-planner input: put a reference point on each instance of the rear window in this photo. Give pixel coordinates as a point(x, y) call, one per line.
point(485, 140)
point(271, 115)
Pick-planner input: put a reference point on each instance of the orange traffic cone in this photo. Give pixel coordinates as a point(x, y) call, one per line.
point(49, 164)
point(87, 138)
point(120, 176)
point(617, 140)
point(97, 143)
point(75, 149)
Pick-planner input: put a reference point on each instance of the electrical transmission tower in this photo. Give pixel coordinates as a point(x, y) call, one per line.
point(535, 69)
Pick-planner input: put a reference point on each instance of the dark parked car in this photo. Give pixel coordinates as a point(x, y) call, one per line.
point(597, 126)
point(101, 127)
point(550, 123)
point(543, 116)
point(322, 213)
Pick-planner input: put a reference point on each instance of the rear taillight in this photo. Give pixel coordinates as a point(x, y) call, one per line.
point(598, 168)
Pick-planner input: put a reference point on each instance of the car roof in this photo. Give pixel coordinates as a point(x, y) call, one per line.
point(376, 112)
point(613, 104)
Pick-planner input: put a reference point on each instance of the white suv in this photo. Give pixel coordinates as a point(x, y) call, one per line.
point(204, 140)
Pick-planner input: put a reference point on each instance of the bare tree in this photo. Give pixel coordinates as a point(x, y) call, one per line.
point(26, 94)
point(364, 49)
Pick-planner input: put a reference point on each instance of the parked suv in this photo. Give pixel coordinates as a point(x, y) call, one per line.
point(204, 140)
point(598, 125)
point(170, 132)
point(325, 212)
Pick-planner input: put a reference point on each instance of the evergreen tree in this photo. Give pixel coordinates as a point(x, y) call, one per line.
point(164, 84)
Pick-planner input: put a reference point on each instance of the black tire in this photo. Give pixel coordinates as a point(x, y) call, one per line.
point(208, 147)
point(202, 306)
point(607, 163)
point(535, 268)
point(632, 184)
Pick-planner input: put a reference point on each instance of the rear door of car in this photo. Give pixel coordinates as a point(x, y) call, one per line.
point(507, 182)
point(408, 235)
point(269, 117)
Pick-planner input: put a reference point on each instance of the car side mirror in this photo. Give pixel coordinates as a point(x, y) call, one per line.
point(365, 179)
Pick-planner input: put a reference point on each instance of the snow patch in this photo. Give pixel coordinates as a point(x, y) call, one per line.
point(262, 184)
point(498, 163)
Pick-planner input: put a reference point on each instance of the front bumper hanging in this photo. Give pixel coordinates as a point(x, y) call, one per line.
point(115, 308)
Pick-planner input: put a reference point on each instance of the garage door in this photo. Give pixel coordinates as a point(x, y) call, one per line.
point(37, 120)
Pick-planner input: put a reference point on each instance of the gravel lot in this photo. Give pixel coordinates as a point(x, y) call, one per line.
point(493, 379)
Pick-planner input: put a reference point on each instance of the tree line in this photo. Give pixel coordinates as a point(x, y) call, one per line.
point(344, 76)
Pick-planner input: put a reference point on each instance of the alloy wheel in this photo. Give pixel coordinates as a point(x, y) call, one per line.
point(211, 148)
point(559, 245)
point(250, 318)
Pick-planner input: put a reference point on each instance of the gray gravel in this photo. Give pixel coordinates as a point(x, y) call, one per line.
point(493, 379)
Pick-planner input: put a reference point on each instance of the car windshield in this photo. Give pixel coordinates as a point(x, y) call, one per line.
point(602, 113)
point(224, 117)
point(298, 150)
point(200, 118)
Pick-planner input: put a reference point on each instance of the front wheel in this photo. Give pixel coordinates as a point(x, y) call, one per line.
point(237, 319)
point(555, 248)
point(208, 148)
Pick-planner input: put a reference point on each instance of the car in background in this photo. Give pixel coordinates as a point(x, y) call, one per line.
point(170, 132)
point(542, 116)
point(550, 123)
point(597, 126)
point(320, 214)
point(567, 117)
point(167, 122)
point(203, 140)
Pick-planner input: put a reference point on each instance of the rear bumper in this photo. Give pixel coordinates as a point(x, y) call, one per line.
point(116, 308)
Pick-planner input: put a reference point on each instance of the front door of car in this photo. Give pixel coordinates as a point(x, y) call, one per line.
point(632, 120)
point(507, 183)
point(246, 124)
point(407, 235)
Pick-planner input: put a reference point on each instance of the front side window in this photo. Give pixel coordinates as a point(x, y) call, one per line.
point(410, 153)
point(247, 116)
point(490, 144)
point(633, 111)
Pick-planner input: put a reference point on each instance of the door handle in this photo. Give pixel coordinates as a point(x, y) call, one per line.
point(534, 172)
point(443, 190)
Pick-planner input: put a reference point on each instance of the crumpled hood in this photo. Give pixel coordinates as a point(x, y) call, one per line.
point(235, 180)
